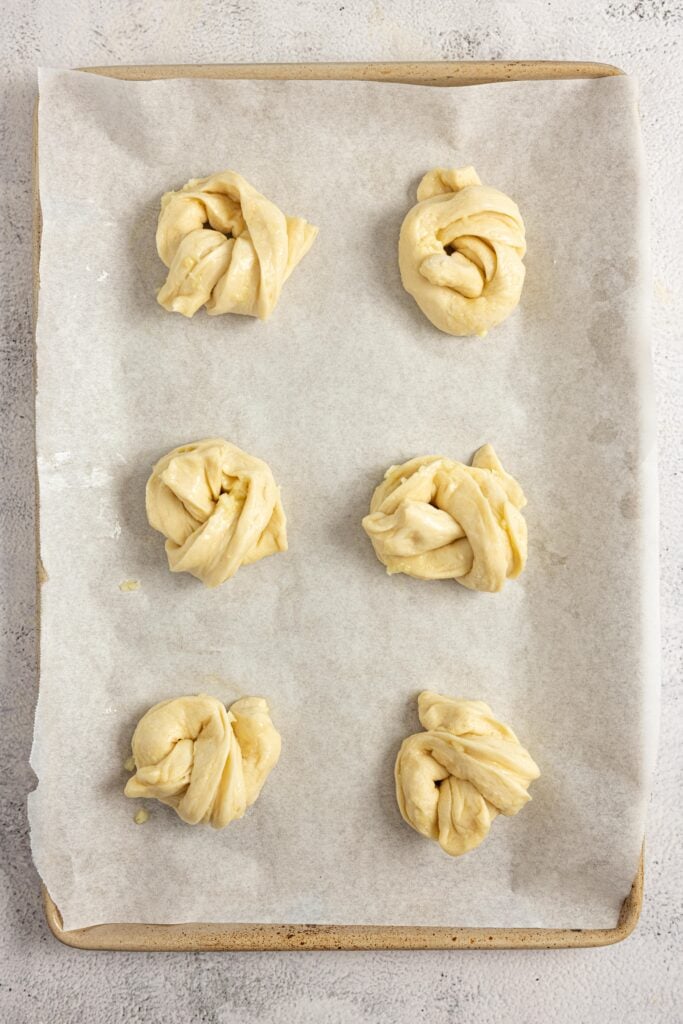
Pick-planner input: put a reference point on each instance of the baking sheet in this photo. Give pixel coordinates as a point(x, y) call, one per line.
point(346, 378)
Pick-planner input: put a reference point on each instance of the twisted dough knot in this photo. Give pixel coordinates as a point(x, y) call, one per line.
point(460, 252)
point(218, 508)
point(453, 780)
point(437, 519)
point(239, 263)
point(206, 762)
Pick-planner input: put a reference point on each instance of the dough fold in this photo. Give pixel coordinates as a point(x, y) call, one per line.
point(460, 252)
point(454, 778)
point(226, 247)
point(433, 518)
point(218, 507)
point(206, 762)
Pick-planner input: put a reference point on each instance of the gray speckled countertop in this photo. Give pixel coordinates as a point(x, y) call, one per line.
point(42, 981)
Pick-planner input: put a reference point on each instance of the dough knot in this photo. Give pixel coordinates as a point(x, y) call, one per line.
point(218, 507)
point(437, 519)
point(206, 762)
point(227, 247)
point(454, 778)
point(460, 252)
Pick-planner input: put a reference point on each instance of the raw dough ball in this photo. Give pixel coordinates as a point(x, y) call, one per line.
point(206, 762)
point(218, 508)
point(227, 247)
point(452, 780)
point(460, 252)
point(437, 519)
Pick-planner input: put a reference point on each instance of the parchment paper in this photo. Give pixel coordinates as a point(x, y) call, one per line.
point(346, 378)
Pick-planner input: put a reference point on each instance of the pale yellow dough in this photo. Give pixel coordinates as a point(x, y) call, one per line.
point(227, 247)
point(218, 508)
point(460, 252)
point(453, 779)
point(206, 762)
point(437, 519)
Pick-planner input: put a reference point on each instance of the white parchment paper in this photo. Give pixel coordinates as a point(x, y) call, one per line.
point(346, 378)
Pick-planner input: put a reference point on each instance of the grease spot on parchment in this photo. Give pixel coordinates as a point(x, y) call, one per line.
point(604, 432)
point(548, 556)
point(629, 506)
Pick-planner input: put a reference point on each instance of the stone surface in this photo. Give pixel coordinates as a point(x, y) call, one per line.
point(41, 981)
